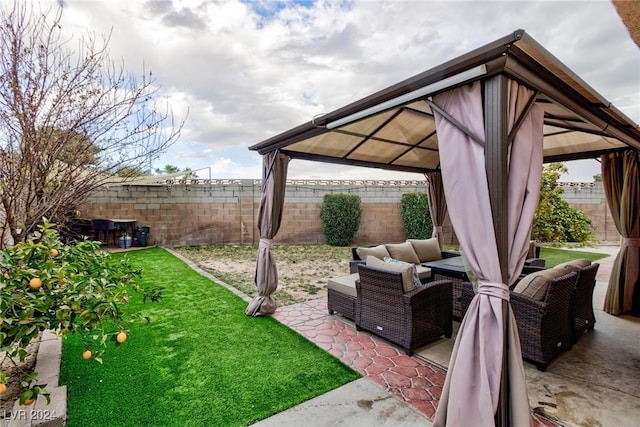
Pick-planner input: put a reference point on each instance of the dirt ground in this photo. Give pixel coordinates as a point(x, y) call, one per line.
point(16, 375)
point(303, 270)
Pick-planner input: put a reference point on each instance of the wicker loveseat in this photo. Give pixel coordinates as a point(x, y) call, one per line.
point(341, 292)
point(544, 324)
point(415, 251)
point(409, 319)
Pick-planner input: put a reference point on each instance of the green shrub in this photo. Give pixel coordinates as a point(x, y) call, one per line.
point(66, 288)
point(416, 216)
point(555, 220)
point(340, 215)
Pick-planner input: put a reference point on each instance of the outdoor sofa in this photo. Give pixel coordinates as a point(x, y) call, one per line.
point(415, 251)
point(553, 308)
point(342, 290)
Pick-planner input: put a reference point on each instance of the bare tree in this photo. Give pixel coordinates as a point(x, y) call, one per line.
point(69, 119)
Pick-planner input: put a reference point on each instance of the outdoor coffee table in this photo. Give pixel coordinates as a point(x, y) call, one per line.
point(453, 269)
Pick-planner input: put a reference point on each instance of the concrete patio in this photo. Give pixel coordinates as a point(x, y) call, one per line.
point(593, 384)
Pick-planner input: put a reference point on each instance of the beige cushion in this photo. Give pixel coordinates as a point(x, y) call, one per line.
point(379, 252)
point(424, 273)
point(573, 265)
point(403, 252)
point(414, 271)
point(535, 285)
point(426, 249)
point(344, 284)
point(407, 273)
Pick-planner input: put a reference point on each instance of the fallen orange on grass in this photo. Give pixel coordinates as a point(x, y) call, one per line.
point(3, 388)
point(121, 337)
point(35, 283)
point(86, 355)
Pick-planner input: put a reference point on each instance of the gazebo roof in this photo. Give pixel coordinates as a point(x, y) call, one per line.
point(394, 128)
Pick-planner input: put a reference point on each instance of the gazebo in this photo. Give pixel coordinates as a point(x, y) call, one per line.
point(481, 126)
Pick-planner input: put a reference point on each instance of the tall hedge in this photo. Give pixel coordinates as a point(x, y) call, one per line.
point(340, 215)
point(416, 216)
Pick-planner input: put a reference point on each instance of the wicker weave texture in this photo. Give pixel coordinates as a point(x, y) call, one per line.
point(582, 316)
point(341, 303)
point(461, 296)
point(545, 327)
point(410, 319)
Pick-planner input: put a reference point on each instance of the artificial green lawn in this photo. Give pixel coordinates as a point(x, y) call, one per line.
point(200, 362)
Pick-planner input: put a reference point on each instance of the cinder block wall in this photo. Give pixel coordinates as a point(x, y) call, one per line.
point(224, 211)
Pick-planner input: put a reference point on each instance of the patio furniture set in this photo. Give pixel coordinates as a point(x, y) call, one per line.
point(122, 232)
point(411, 307)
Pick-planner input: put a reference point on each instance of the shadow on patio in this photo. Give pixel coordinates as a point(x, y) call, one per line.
point(593, 384)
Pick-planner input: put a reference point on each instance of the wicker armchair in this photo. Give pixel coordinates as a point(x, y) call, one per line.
point(410, 319)
point(582, 314)
point(545, 327)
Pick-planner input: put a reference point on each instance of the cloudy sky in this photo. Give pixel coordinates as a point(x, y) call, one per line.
point(247, 70)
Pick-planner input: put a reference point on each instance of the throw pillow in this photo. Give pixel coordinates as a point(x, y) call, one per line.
point(416, 278)
point(403, 252)
point(535, 285)
point(426, 249)
point(407, 274)
point(574, 265)
point(379, 252)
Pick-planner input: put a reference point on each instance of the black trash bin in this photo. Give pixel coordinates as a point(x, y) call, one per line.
point(142, 235)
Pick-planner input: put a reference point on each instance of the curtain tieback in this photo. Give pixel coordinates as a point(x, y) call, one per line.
point(266, 243)
point(438, 228)
point(631, 241)
point(493, 289)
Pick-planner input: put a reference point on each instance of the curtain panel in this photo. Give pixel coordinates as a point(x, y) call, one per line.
point(437, 204)
point(472, 387)
point(621, 179)
point(274, 182)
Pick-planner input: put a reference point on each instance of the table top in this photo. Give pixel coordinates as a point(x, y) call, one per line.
point(122, 220)
point(453, 264)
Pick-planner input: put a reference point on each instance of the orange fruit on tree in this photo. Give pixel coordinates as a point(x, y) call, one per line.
point(28, 402)
point(53, 252)
point(3, 388)
point(86, 355)
point(121, 337)
point(6, 275)
point(35, 283)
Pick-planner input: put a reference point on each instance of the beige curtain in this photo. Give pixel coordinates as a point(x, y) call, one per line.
point(274, 181)
point(621, 179)
point(437, 204)
point(471, 392)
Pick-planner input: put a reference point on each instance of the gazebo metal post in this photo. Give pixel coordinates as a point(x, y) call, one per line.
point(496, 156)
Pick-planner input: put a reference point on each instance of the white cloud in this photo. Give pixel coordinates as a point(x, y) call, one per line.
point(249, 70)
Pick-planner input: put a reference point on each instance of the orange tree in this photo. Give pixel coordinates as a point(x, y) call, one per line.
point(75, 288)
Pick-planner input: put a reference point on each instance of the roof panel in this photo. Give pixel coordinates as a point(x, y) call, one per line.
point(430, 143)
point(332, 144)
point(567, 142)
point(419, 158)
point(377, 151)
point(370, 124)
point(409, 126)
